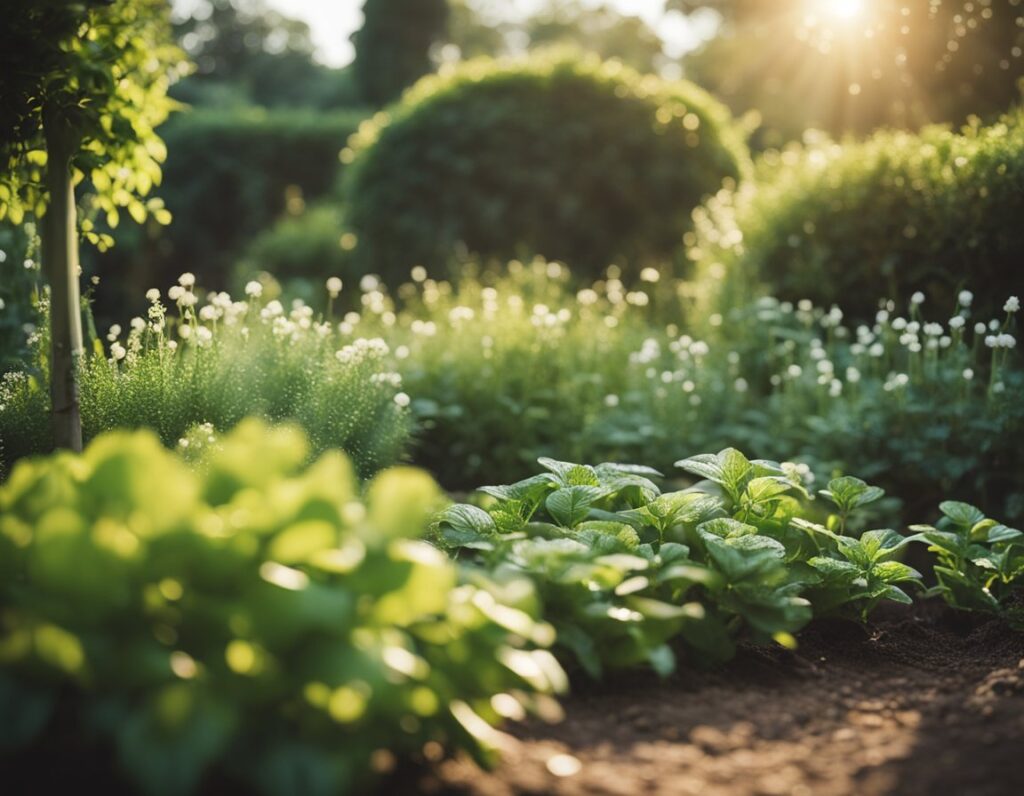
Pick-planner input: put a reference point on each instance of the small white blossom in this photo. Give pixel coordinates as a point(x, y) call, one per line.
point(968, 374)
point(611, 400)
point(402, 399)
point(334, 286)
point(979, 328)
point(1012, 304)
point(957, 322)
point(153, 295)
point(117, 351)
point(187, 279)
point(965, 298)
point(917, 299)
point(175, 292)
point(253, 289)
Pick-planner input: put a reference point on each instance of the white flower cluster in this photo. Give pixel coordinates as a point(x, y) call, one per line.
point(361, 350)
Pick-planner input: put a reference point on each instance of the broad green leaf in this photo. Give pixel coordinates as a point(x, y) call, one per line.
point(894, 572)
point(467, 519)
point(962, 515)
point(882, 544)
point(726, 528)
point(569, 506)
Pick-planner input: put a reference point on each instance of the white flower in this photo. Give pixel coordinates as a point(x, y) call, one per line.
point(965, 298)
point(899, 324)
point(998, 387)
point(175, 292)
point(204, 335)
point(187, 279)
point(611, 400)
point(740, 385)
point(991, 341)
point(881, 316)
point(835, 388)
point(185, 331)
point(138, 324)
point(852, 375)
point(253, 289)
point(418, 273)
point(334, 286)
point(917, 298)
point(1006, 341)
point(968, 374)
point(153, 295)
point(1012, 304)
point(208, 313)
point(114, 333)
point(650, 275)
point(117, 351)
point(979, 328)
point(876, 350)
point(402, 399)
point(187, 299)
point(172, 344)
point(957, 322)
point(369, 282)
point(794, 371)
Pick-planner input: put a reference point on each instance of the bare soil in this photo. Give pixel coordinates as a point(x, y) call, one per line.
point(922, 701)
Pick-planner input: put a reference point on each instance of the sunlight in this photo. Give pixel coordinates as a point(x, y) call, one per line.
point(844, 9)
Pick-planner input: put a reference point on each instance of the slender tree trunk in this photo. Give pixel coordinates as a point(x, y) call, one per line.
point(60, 266)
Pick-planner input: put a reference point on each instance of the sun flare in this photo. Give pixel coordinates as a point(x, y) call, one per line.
point(843, 9)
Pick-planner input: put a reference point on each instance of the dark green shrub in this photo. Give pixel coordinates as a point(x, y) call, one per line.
point(301, 252)
point(570, 158)
point(896, 214)
point(228, 176)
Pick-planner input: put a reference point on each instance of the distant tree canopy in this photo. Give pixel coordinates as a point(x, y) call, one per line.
point(884, 62)
point(393, 47)
point(246, 53)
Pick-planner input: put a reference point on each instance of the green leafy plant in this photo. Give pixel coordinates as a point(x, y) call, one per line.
point(217, 362)
point(623, 569)
point(980, 562)
point(248, 622)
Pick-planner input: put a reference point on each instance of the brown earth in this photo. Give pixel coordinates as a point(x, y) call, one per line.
point(922, 701)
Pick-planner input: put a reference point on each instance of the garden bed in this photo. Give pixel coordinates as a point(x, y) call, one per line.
point(920, 701)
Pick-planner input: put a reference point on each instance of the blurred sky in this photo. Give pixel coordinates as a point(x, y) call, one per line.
point(333, 21)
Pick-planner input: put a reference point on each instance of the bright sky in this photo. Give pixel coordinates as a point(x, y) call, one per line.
point(333, 21)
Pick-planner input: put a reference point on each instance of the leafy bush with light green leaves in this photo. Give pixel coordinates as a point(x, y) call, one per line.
point(558, 155)
point(218, 361)
point(250, 622)
point(623, 568)
point(895, 214)
point(980, 561)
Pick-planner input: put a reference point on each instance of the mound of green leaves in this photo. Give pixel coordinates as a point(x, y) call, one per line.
point(979, 561)
point(895, 214)
point(253, 623)
point(623, 569)
point(567, 157)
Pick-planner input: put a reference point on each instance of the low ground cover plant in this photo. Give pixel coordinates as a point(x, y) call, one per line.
point(924, 399)
point(979, 561)
point(216, 361)
point(623, 569)
point(246, 621)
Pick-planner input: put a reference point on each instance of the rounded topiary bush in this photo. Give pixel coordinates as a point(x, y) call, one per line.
point(574, 159)
point(893, 215)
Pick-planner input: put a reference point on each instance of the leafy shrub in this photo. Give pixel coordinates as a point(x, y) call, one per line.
point(217, 363)
point(623, 568)
point(19, 291)
point(566, 157)
point(252, 623)
point(895, 214)
point(502, 371)
point(980, 561)
point(301, 252)
point(229, 175)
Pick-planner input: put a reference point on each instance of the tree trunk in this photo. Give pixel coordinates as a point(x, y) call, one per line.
point(60, 267)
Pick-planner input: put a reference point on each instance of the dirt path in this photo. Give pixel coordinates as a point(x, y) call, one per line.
point(922, 702)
